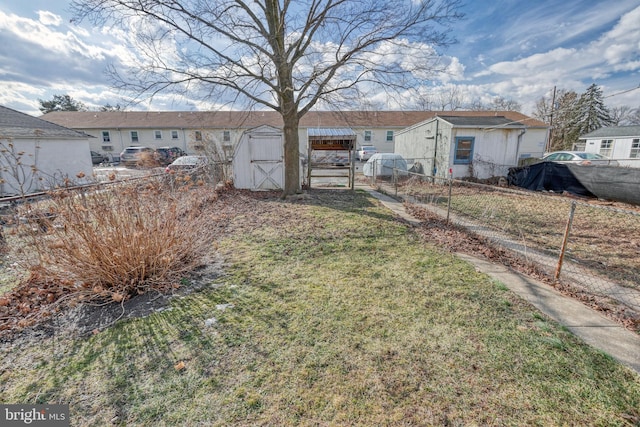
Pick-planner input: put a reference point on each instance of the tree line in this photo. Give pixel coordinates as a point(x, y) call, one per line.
point(571, 115)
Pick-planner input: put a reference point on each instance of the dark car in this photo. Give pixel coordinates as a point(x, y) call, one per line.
point(166, 155)
point(97, 158)
point(134, 156)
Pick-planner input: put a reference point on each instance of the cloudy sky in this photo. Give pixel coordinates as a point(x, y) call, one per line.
point(514, 49)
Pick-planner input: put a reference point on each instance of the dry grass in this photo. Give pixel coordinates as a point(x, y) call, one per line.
point(604, 236)
point(332, 312)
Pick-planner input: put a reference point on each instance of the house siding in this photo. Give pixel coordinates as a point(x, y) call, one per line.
point(495, 149)
point(621, 149)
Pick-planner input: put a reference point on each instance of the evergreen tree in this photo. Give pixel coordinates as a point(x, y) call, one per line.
point(61, 103)
point(590, 114)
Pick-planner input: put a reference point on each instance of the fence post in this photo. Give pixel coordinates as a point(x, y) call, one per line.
point(565, 239)
point(395, 177)
point(449, 199)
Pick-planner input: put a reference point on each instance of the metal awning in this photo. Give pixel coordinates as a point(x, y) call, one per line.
point(331, 138)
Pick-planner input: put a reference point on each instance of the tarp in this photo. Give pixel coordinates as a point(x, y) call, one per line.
point(614, 183)
point(382, 164)
point(548, 176)
point(610, 182)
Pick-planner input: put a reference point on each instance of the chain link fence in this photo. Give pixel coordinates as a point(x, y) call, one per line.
point(588, 246)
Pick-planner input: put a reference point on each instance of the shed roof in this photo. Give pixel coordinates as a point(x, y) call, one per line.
point(613, 132)
point(14, 124)
point(483, 122)
point(331, 133)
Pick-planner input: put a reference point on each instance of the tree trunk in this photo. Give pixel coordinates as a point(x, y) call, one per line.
point(291, 154)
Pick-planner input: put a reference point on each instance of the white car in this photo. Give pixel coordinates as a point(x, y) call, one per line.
point(365, 152)
point(578, 157)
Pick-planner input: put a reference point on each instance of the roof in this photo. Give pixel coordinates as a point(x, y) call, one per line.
point(331, 133)
point(250, 119)
point(483, 122)
point(614, 131)
point(14, 124)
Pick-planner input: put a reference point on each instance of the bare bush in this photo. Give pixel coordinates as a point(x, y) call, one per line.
point(108, 245)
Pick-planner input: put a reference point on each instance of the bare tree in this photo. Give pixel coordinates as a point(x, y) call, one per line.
point(498, 103)
point(450, 98)
point(558, 115)
point(634, 117)
point(621, 115)
point(281, 54)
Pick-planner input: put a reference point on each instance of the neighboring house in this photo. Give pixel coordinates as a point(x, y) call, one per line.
point(37, 155)
point(222, 130)
point(478, 146)
point(621, 143)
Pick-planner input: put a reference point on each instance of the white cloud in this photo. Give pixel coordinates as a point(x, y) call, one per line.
point(48, 18)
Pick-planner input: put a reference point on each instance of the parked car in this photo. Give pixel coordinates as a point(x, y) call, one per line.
point(166, 155)
point(135, 156)
point(188, 164)
point(97, 158)
point(365, 152)
point(578, 157)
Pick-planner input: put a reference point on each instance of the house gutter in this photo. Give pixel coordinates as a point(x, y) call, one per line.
point(435, 149)
point(518, 145)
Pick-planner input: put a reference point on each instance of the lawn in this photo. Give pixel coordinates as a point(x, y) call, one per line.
point(329, 312)
point(603, 234)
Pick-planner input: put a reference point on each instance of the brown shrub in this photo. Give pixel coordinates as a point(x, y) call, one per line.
point(110, 244)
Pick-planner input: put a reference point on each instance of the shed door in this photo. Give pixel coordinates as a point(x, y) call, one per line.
point(267, 171)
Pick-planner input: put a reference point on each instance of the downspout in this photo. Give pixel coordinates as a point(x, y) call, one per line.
point(518, 146)
point(435, 149)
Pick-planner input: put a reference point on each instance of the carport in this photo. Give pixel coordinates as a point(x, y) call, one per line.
point(331, 154)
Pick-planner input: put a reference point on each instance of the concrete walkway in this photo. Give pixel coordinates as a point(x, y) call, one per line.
point(592, 327)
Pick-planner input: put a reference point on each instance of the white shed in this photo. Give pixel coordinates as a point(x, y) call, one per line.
point(258, 160)
point(37, 155)
point(479, 146)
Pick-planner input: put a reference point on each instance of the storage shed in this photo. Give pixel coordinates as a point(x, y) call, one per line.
point(258, 160)
point(38, 155)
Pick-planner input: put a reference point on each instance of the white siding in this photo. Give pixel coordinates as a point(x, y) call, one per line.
point(53, 161)
point(433, 143)
point(258, 160)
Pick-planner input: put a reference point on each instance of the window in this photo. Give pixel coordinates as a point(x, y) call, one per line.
point(635, 149)
point(226, 136)
point(134, 136)
point(158, 134)
point(174, 134)
point(198, 135)
point(464, 149)
point(106, 137)
point(389, 136)
point(606, 147)
point(367, 135)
